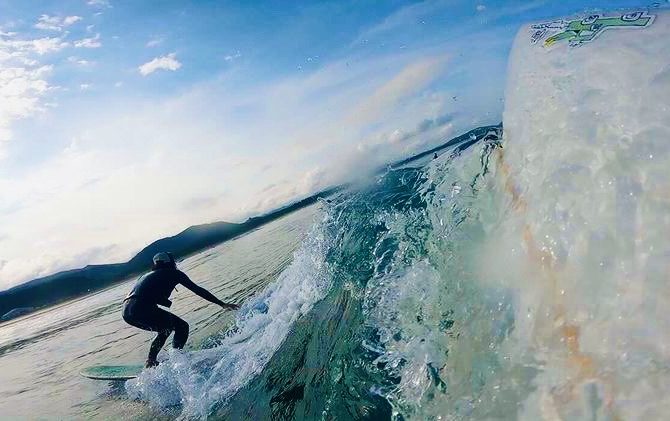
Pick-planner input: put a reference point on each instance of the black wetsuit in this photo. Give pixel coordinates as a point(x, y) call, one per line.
point(141, 307)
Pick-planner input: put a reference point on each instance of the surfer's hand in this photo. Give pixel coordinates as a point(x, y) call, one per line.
point(229, 306)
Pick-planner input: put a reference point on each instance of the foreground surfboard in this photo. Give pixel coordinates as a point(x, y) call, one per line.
point(112, 372)
point(584, 168)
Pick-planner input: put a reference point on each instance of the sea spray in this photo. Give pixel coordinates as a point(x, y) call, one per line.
point(437, 324)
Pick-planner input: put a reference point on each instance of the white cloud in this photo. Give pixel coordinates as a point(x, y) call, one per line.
point(55, 23)
point(231, 57)
point(118, 84)
point(79, 61)
point(99, 3)
point(48, 45)
point(20, 91)
point(17, 49)
point(87, 174)
point(406, 82)
point(154, 42)
point(481, 7)
point(89, 28)
point(23, 80)
point(69, 20)
point(89, 42)
point(168, 62)
point(85, 86)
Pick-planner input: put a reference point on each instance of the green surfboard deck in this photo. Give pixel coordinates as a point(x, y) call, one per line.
point(112, 372)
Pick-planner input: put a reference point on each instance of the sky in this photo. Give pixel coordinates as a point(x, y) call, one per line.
point(122, 122)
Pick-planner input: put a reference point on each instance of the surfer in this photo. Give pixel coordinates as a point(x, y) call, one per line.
point(140, 308)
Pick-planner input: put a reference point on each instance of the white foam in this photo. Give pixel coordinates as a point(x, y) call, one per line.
point(391, 302)
point(438, 326)
point(201, 380)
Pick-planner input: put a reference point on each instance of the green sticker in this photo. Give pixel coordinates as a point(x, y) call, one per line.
point(580, 31)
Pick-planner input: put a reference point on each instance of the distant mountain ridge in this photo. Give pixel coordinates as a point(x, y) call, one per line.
point(56, 288)
point(62, 286)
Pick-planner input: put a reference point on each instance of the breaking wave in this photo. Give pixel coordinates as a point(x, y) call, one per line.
point(427, 293)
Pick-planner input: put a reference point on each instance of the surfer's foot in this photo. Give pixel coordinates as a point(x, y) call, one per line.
point(150, 363)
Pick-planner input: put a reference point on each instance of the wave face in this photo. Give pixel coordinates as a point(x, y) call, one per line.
point(422, 295)
point(407, 329)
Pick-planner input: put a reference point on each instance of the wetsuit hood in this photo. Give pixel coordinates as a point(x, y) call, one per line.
point(164, 260)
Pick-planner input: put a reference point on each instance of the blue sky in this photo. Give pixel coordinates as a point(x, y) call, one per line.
point(125, 121)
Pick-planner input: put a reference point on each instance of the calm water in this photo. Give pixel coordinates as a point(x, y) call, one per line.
point(42, 354)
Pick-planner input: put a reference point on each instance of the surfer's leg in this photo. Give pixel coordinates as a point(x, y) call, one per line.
point(169, 322)
point(156, 346)
point(160, 321)
point(152, 318)
point(180, 332)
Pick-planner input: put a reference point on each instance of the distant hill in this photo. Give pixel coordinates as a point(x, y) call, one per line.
point(62, 286)
point(69, 284)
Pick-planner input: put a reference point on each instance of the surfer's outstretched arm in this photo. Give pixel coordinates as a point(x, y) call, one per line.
point(202, 292)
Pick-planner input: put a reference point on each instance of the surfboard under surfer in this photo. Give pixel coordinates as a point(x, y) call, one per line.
point(140, 308)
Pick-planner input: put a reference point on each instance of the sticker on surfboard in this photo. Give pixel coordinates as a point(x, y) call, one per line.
point(581, 31)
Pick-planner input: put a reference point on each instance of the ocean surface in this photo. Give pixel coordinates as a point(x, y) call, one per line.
point(41, 354)
point(412, 295)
